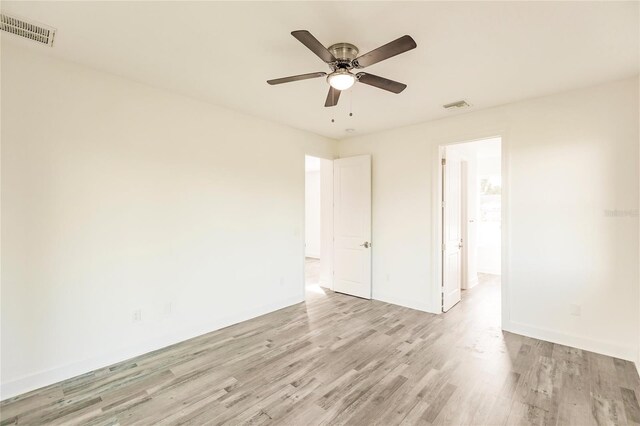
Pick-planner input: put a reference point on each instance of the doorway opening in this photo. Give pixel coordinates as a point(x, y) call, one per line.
point(318, 226)
point(471, 224)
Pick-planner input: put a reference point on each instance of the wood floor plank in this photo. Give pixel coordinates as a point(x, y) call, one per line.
point(631, 408)
point(337, 360)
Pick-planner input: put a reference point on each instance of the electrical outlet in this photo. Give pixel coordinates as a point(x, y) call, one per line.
point(168, 309)
point(137, 315)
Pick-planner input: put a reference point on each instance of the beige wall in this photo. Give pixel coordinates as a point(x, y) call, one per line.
point(116, 197)
point(570, 159)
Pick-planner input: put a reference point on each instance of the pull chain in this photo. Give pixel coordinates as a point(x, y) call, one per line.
point(351, 104)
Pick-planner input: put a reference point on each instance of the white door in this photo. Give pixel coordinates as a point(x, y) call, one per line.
point(352, 226)
point(451, 229)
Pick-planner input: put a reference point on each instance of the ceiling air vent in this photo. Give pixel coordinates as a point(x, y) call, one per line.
point(20, 27)
point(456, 105)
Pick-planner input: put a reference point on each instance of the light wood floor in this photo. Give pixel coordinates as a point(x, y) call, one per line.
point(311, 271)
point(342, 360)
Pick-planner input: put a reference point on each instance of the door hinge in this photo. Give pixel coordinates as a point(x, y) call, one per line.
point(444, 246)
point(444, 161)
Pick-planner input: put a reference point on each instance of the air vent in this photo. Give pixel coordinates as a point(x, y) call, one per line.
point(20, 27)
point(456, 105)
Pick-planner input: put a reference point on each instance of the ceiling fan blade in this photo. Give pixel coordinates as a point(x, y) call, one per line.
point(332, 97)
point(381, 82)
point(387, 51)
point(314, 45)
point(296, 78)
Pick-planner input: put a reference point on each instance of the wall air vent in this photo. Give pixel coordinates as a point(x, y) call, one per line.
point(456, 105)
point(37, 32)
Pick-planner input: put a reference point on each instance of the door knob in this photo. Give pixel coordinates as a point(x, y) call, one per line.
point(365, 245)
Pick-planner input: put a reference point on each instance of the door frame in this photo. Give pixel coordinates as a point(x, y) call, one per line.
point(436, 289)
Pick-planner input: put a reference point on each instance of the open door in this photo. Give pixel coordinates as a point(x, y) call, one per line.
point(451, 229)
point(352, 226)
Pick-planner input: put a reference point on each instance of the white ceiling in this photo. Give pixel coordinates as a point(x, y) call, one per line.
point(488, 53)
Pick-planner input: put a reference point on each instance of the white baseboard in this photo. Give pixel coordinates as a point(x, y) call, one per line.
point(407, 303)
point(48, 377)
point(326, 282)
point(471, 284)
point(490, 271)
point(629, 353)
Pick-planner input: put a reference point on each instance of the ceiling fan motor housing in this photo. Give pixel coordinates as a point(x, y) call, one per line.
point(344, 53)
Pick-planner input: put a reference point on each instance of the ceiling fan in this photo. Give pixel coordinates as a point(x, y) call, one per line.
point(342, 58)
